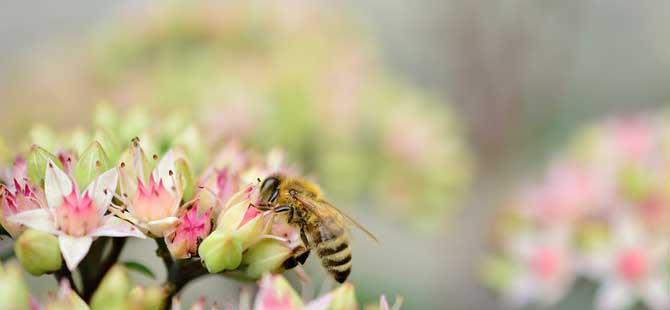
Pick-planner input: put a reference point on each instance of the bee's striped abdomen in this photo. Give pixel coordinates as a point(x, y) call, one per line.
point(335, 254)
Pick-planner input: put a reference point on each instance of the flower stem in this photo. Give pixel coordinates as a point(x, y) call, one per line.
point(180, 274)
point(94, 268)
point(163, 252)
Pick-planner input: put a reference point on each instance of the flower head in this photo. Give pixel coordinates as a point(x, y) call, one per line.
point(545, 270)
point(238, 227)
point(77, 218)
point(193, 227)
point(152, 196)
point(633, 266)
point(19, 198)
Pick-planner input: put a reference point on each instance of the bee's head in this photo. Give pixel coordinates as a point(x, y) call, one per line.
point(269, 191)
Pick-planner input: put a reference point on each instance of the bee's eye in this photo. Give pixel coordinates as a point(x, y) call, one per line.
point(269, 189)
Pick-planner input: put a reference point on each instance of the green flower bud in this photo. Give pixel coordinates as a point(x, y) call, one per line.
point(498, 271)
point(38, 252)
point(37, 163)
point(113, 290)
point(91, 163)
point(268, 255)
point(151, 298)
point(109, 144)
point(344, 298)
point(247, 225)
point(220, 251)
point(13, 290)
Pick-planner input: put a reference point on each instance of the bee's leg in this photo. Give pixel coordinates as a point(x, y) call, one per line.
point(303, 256)
point(300, 253)
point(290, 263)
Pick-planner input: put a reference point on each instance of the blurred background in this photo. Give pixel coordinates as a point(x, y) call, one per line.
point(421, 118)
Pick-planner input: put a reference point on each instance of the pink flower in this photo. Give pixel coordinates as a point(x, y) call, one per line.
point(152, 198)
point(22, 197)
point(193, 227)
point(77, 218)
point(546, 269)
point(275, 293)
point(634, 267)
point(148, 199)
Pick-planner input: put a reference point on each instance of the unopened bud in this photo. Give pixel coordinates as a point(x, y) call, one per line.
point(113, 290)
point(92, 161)
point(344, 298)
point(244, 222)
point(221, 251)
point(37, 163)
point(266, 256)
point(38, 252)
point(150, 298)
point(13, 290)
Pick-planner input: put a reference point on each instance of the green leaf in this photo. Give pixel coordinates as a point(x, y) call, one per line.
point(138, 267)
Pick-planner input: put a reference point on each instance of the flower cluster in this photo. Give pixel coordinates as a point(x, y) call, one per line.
point(348, 116)
point(70, 205)
point(601, 213)
point(81, 196)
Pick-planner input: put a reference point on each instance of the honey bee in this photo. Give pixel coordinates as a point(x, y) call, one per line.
point(323, 227)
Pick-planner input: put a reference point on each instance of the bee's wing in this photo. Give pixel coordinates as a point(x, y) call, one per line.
point(320, 207)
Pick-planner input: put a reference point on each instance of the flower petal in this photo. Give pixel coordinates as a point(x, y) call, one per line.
point(74, 249)
point(160, 227)
point(113, 226)
point(103, 188)
point(39, 219)
point(56, 185)
point(613, 295)
point(162, 172)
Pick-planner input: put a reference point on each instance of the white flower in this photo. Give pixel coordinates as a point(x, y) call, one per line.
point(77, 218)
point(152, 201)
point(545, 271)
point(635, 268)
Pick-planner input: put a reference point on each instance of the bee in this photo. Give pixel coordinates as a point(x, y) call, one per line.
point(323, 227)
